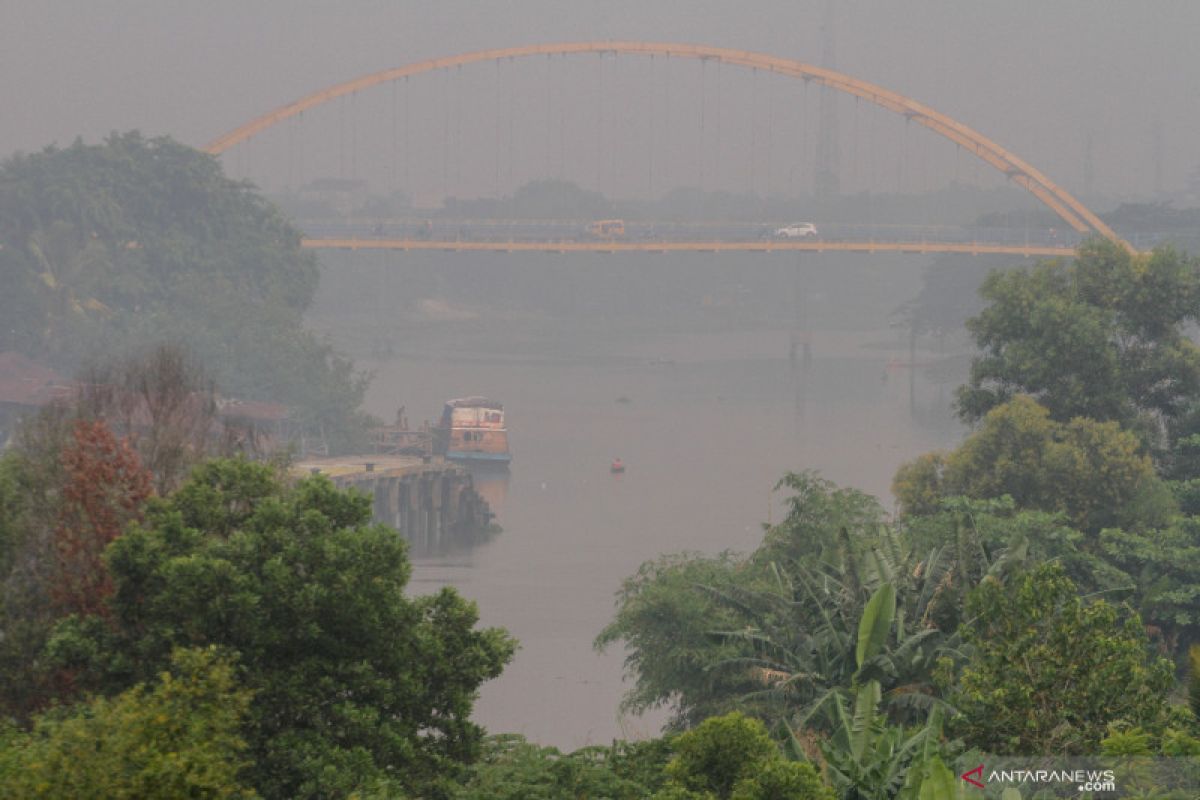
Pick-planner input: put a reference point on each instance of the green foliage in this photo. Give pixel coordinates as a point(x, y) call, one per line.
point(777, 632)
point(1093, 472)
point(1165, 767)
point(1050, 672)
point(27, 518)
point(13, 512)
point(1194, 680)
point(917, 485)
point(666, 616)
point(732, 756)
point(1156, 570)
point(176, 738)
point(1128, 742)
point(783, 780)
point(876, 624)
point(355, 685)
point(868, 759)
point(1187, 493)
point(1164, 565)
point(513, 769)
point(138, 240)
point(1100, 337)
point(820, 518)
point(940, 783)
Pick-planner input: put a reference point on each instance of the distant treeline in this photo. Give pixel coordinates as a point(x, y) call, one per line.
point(105, 249)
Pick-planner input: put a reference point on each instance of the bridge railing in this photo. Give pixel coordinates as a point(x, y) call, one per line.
point(467, 230)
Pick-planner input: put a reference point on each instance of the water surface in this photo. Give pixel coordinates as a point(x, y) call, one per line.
point(706, 425)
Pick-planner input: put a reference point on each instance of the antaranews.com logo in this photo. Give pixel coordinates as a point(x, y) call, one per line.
point(1085, 780)
point(1080, 778)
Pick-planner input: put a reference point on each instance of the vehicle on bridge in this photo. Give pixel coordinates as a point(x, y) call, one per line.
point(797, 230)
point(607, 228)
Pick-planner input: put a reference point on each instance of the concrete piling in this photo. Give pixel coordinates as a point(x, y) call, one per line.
point(431, 504)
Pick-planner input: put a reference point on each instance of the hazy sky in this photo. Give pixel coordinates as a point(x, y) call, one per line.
point(1040, 77)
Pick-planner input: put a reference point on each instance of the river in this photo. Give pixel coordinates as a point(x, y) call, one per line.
point(707, 416)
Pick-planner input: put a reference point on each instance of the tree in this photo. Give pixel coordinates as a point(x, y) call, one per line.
point(106, 247)
point(553, 198)
point(1101, 337)
point(1156, 570)
point(692, 625)
point(175, 737)
point(1093, 472)
point(774, 634)
point(666, 616)
point(513, 769)
point(732, 757)
point(1194, 680)
point(13, 512)
point(1164, 565)
point(106, 488)
point(1050, 671)
point(355, 685)
point(29, 491)
point(67, 489)
point(161, 400)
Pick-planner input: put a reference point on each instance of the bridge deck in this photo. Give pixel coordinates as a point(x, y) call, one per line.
point(770, 246)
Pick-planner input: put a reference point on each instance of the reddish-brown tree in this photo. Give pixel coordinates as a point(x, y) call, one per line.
point(104, 489)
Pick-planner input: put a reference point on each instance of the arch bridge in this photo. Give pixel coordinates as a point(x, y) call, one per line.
point(1057, 199)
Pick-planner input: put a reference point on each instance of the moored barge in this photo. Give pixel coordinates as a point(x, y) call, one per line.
point(472, 430)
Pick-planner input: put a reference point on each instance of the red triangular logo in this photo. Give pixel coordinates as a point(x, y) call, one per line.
point(966, 776)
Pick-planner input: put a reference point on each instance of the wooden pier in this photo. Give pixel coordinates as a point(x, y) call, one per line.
point(432, 503)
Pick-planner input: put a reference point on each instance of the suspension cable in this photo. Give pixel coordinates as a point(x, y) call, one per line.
point(650, 160)
point(496, 132)
point(703, 109)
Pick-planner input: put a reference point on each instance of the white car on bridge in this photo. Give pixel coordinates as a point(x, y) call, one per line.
point(797, 230)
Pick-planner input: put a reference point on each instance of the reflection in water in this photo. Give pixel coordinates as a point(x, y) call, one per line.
point(491, 482)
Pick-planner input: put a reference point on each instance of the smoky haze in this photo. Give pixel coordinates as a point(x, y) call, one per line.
point(1097, 95)
point(709, 374)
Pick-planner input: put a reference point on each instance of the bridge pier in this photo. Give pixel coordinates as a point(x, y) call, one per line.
point(432, 506)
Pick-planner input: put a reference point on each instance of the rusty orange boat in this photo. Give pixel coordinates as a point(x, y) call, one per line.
point(472, 429)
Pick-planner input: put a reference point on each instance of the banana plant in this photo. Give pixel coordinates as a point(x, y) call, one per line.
point(804, 642)
point(865, 757)
point(938, 782)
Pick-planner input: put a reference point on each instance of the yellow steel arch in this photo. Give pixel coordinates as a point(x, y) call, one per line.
point(1019, 171)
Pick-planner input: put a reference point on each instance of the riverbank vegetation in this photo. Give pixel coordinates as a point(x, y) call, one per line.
point(1037, 593)
point(180, 619)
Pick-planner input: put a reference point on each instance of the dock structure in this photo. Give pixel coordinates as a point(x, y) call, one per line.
point(430, 502)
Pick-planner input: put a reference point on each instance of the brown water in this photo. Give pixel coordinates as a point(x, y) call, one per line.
point(706, 423)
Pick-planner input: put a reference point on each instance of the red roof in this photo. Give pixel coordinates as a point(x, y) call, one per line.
point(28, 383)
